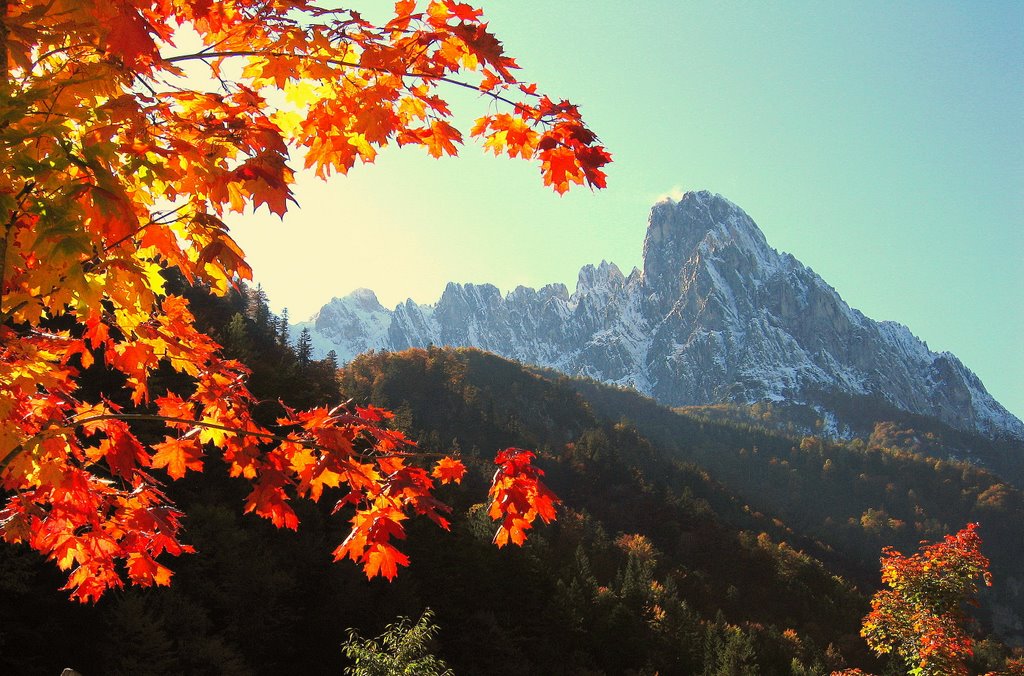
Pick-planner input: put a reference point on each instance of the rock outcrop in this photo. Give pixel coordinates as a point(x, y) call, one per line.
point(716, 315)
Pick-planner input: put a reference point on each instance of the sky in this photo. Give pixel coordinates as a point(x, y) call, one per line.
point(882, 144)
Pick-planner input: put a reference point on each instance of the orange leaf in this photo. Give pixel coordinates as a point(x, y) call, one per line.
point(178, 455)
point(559, 167)
point(518, 496)
point(269, 500)
point(383, 559)
point(145, 571)
point(449, 470)
point(440, 138)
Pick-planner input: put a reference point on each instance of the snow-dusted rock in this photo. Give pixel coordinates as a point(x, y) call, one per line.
point(716, 315)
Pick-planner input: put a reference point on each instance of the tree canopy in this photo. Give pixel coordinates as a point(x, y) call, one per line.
point(119, 165)
point(920, 617)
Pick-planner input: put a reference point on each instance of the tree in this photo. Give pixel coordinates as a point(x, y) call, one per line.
point(116, 168)
point(283, 337)
point(235, 338)
point(331, 360)
point(304, 346)
point(401, 649)
point(258, 307)
point(920, 617)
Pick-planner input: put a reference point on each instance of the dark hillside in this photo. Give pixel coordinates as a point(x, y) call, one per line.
point(854, 497)
point(839, 503)
point(676, 551)
point(721, 557)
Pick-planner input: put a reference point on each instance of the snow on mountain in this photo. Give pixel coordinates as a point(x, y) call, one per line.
point(349, 325)
point(716, 315)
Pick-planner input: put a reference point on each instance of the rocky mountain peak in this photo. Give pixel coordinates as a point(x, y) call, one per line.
point(364, 299)
point(716, 316)
point(700, 225)
point(604, 276)
point(357, 320)
point(558, 291)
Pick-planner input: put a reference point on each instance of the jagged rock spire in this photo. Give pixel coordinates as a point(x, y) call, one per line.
point(716, 315)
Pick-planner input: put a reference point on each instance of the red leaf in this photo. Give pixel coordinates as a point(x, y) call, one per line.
point(129, 35)
point(463, 12)
point(518, 496)
point(384, 559)
point(124, 454)
point(440, 138)
point(144, 570)
point(269, 500)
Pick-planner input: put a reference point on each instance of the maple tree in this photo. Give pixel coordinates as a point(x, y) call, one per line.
point(920, 617)
point(117, 166)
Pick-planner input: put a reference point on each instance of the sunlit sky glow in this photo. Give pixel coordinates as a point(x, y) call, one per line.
point(881, 144)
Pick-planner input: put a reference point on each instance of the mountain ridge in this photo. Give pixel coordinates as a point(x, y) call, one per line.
point(716, 315)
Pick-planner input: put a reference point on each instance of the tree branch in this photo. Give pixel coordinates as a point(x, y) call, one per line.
point(152, 221)
point(25, 190)
point(152, 417)
point(204, 56)
point(4, 32)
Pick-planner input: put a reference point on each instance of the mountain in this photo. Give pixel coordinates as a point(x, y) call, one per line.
point(715, 316)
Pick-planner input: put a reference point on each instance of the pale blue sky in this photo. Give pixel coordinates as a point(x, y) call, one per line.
point(880, 143)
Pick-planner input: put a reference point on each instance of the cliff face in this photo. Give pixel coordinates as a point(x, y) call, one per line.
point(716, 315)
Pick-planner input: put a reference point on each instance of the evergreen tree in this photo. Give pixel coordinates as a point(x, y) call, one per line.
point(737, 656)
point(141, 644)
point(259, 308)
point(282, 331)
point(304, 347)
point(235, 338)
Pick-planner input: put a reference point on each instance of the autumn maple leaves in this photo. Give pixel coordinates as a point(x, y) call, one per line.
point(116, 168)
point(567, 149)
point(518, 498)
point(920, 616)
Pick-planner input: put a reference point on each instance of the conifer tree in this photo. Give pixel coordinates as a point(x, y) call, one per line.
point(332, 360)
point(283, 336)
point(304, 347)
point(259, 308)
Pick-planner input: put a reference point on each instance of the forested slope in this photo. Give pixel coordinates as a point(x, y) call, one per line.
point(680, 547)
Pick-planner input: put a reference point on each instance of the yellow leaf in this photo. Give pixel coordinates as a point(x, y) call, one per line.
point(153, 276)
point(302, 93)
point(289, 122)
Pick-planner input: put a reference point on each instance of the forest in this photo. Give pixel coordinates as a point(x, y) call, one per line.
point(683, 546)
